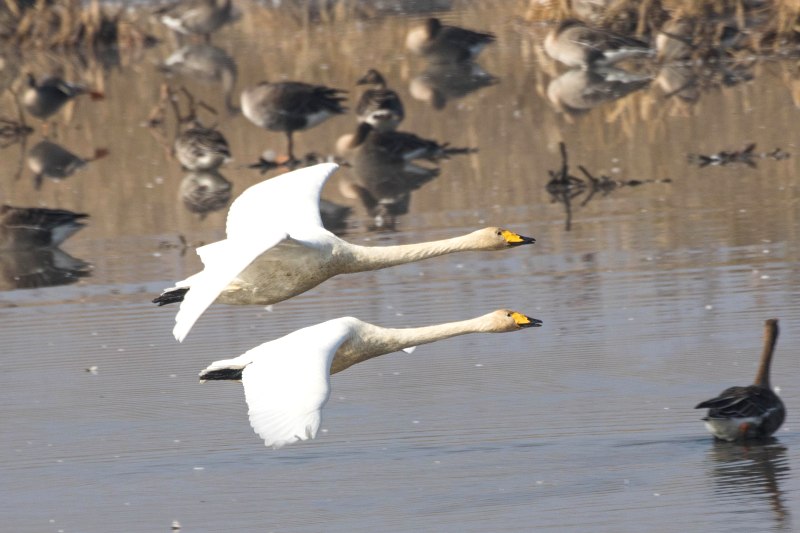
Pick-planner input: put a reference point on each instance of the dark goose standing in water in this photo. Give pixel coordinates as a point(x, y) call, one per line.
point(751, 412)
point(291, 106)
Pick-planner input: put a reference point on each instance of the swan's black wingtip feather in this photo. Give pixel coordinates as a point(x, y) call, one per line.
point(171, 297)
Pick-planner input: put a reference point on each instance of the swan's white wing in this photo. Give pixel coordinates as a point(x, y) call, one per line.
point(288, 382)
point(286, 203)
point(223, 261)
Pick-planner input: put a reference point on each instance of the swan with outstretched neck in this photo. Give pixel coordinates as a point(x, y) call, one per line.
point(748, 413)
point(277, 248)
point(287, 380)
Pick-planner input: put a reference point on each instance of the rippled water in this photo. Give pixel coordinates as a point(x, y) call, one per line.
point(653, 301)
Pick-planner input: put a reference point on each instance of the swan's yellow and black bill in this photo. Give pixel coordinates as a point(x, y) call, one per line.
point(515, 239)
point(526, 321)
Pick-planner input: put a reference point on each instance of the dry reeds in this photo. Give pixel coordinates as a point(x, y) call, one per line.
point(773, 24)
point(68, 24)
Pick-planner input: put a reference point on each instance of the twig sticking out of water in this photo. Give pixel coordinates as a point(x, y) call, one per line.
point(563, 186)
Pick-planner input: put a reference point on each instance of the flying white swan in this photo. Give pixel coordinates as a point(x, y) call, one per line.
point(277, 248)
point(287, 380)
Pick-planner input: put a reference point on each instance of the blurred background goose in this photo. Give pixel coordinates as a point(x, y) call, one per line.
point(200, 148)
point(277, 248)
point(440, 42)
point(752, 412)
point(24, 228)
point(577, 45)
point(43, 99)
point(287, 381)
point(197, 17)
point(291, 106)
point(379, 105)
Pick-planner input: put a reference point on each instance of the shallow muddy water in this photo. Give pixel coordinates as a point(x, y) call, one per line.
point(653, 300)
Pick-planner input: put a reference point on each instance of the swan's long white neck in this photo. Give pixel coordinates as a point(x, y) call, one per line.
point(366, 258)
point(371, 341)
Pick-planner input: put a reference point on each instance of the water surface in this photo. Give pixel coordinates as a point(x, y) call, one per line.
point(653, 301)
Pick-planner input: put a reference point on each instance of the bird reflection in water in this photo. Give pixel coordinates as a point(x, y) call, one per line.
point(384, 187)
point(43, 267)
point(203, 192)
point(207, 64)
point(383, 208)
point(441, 82)
point(590, 53)
point(29, 253)
point(578, 91)
point(50, 160)
point(697, 56)
point(752, 474)
point(564, 187)
point(386, 166)
point(451, 72)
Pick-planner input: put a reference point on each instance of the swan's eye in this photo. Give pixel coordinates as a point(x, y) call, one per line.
point(508, 315)
point(499, 232)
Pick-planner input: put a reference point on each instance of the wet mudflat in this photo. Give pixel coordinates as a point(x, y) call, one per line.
point(653, 301)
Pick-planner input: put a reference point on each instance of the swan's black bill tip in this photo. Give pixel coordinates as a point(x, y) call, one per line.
point(515, 239)
point(531, 323)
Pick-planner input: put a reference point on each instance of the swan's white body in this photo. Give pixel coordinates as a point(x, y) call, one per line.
point(287, 381)
point(277, 248)
point(258, 222)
